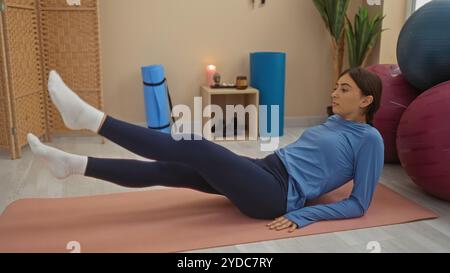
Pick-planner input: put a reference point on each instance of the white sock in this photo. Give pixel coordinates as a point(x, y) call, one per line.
point(76, 113)
point(61, 164)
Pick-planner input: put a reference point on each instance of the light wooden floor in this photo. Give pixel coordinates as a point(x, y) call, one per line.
point(27, 177)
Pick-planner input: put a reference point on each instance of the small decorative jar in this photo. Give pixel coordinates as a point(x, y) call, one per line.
point(241, 83)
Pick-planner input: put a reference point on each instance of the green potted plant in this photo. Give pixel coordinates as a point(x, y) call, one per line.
point(362, 36)
point(333, 13)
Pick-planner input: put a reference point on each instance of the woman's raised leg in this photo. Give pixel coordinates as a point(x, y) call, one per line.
point(142, 174)
point(123, 172)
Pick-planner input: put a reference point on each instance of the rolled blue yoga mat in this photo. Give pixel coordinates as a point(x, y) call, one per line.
point(268, 74)
point(156, 98)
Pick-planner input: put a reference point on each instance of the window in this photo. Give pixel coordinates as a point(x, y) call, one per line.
point(413, 5)
point(419, 3)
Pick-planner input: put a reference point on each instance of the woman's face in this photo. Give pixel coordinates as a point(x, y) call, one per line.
point(348, 100)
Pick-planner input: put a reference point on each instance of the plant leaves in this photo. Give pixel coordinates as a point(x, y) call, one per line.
point(362, 37)
point(333, 14)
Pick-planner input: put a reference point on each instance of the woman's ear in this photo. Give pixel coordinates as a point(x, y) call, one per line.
point(366, 101)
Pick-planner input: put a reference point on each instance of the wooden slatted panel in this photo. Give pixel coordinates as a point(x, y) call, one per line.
point(71, 46)
point(23, 62)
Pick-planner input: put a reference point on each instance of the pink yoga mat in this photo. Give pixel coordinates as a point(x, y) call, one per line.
point(172, 220)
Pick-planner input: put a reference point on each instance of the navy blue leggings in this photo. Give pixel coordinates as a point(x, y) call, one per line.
point(258, 187)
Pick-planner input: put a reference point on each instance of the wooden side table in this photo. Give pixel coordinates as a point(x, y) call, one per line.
point(248, 98)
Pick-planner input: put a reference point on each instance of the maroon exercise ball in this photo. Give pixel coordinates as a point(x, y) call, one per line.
point(397, 96)
point(423, 141)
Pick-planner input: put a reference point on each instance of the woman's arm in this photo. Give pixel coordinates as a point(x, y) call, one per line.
point(368, 168)
point(345, 209)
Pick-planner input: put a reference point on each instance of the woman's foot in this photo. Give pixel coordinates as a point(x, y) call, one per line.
point(76, 113)
point(61, 164)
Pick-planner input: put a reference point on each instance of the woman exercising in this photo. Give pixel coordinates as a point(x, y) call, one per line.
point(278, 186)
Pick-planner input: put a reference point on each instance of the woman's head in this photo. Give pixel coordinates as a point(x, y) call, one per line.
point(357, 95)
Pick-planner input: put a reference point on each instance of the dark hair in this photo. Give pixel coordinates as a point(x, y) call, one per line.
point(370, 85)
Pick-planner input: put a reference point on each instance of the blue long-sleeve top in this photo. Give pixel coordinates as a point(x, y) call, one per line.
point(325, 158)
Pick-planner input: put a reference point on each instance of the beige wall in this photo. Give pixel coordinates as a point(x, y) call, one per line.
point(396, 11)
point(185, 36)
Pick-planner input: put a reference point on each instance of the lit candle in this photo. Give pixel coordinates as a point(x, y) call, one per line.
point(210, 71)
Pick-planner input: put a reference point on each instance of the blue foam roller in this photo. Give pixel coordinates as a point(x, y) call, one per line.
point(268, 75)
point(156, 98)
